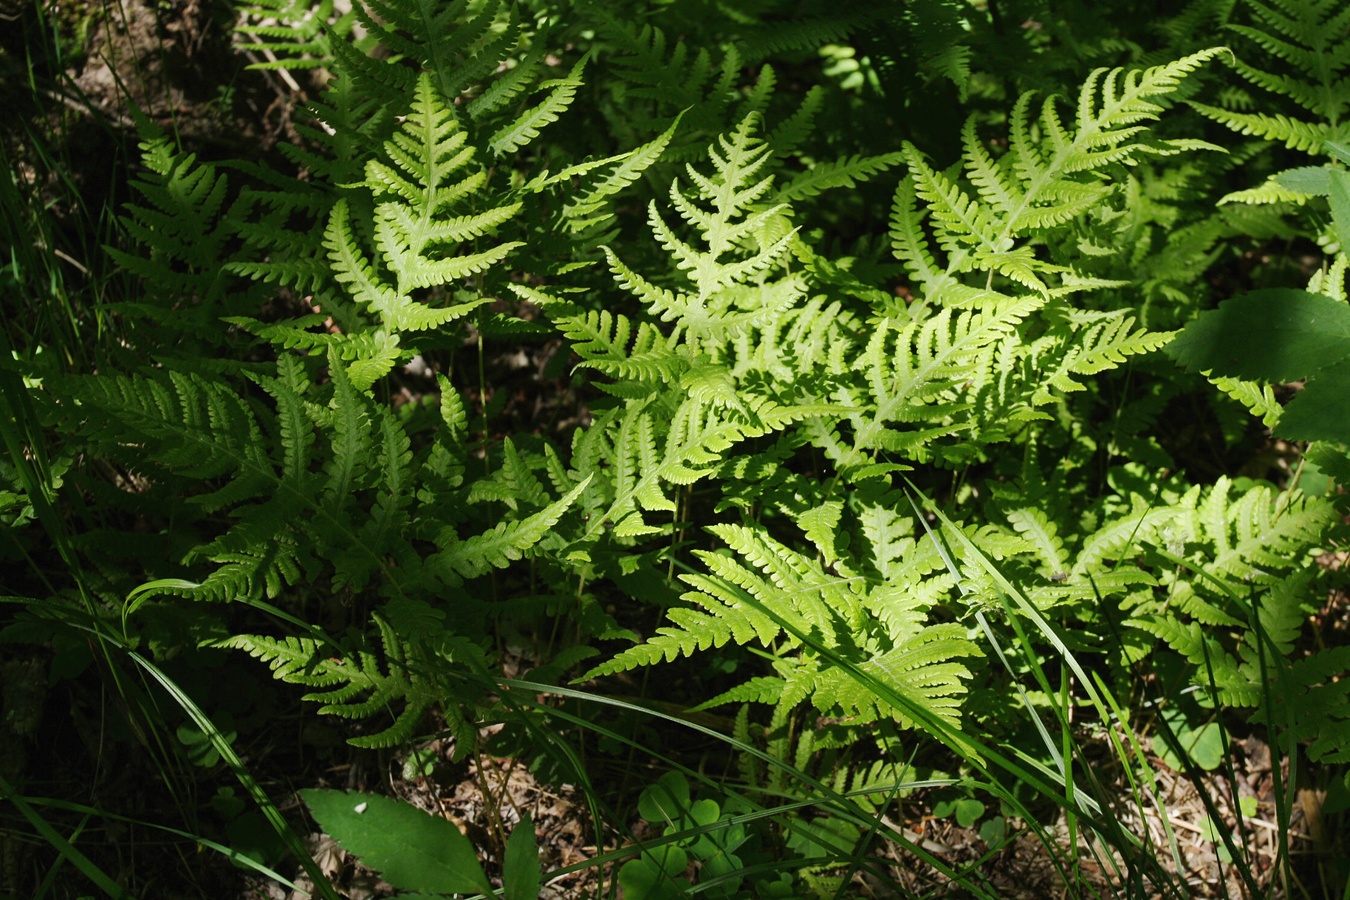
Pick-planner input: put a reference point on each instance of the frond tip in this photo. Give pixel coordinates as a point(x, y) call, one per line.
point(1049, 176)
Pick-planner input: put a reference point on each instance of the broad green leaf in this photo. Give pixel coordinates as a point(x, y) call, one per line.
point(520, 867)
point(411, 849)
point(1204, 746)
point(1321, 411)
point(1306, 180)
point(1278, 334)
point(656, 874)
point(1338, 150)
point(823, 837)
point(968, 811)
point(666, 801)
point(1340, 206)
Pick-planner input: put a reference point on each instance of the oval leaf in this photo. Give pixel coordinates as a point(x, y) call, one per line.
point(521, 873)
point(1321, 411)
point(1306, 180)
point(411, 849)
point(1278, 334)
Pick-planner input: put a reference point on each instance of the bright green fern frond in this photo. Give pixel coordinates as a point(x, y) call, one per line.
point(742, 242)
point(1049, 176)
point(605, 342)
point(1260, 533)
point(844, 173)
point(591, 187)
point(1036, 527)
point(922, 669)
point(764, 592)
point(296, 660)
point(1310, 137)
point(914, 369)
point(1087, 347)
point(418, 187)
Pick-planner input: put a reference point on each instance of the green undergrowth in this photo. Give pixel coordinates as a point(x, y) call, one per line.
point(858, 470)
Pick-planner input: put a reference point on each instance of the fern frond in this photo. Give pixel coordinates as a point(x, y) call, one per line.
point(1048, 177)
point(525, 128)
point(911, 367)
point(295, 34)
point(921, 668)
point(184, 227)
point(1261, 533)
point(585, 211)
point(501, 544)
point(1310, 137)
point(354, 687)
point(1036, 527)
point(824, 176)
point(771, 595)
point(1313, 40)
point(289, 517)
point(672, 78)
point(415, 190)
point(1096, 348)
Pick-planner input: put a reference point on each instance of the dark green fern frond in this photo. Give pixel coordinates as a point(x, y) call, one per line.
point(185, 228)
point(655, 78)
point(1317, 712)
point(289, 516)
point(495, 548)
point(455, 46)
point(1235, 612)
point(293, 34)
point(1308, 45)
point(353, 687)
point(524, 128)
point(764, 39)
